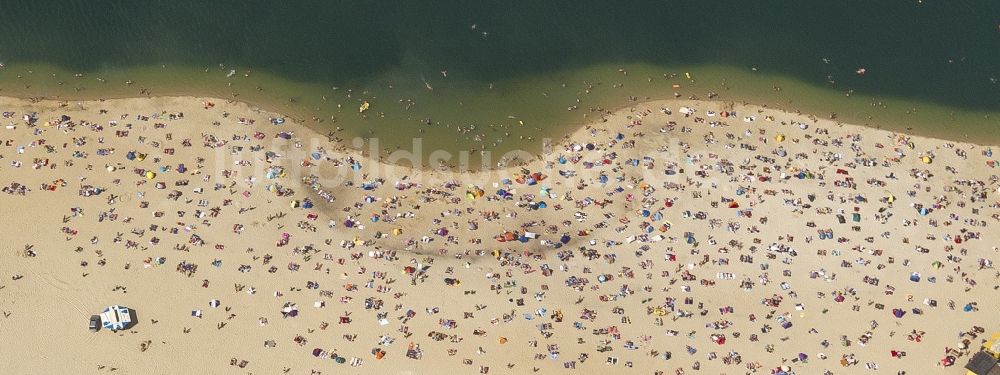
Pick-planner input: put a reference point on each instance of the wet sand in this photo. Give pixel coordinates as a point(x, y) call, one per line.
point(661, 241)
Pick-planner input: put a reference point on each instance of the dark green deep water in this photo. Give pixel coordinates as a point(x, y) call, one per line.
point(932, 66)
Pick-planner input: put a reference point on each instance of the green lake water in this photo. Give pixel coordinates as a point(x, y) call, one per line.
point(932, 67)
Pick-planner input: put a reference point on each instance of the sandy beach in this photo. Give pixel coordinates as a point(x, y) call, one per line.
point(671, 237)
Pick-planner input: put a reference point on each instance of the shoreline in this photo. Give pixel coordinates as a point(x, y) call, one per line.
point(607, 112)
point(920, 118)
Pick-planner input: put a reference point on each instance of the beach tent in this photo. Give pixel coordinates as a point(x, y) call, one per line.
point(116, 318)
point(982, 363)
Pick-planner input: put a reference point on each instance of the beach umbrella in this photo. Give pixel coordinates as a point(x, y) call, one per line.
point(968, 307)
point(317, 352)
point(150, 175)
point(898, 313)
point(349, 223)
point(926, 159)
point(181, 168)
point(307, 204)
point(542, 204)
point(780, 138)
point(397, 231)
point(130, 155)
point(213, 303)
point(564, 239)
